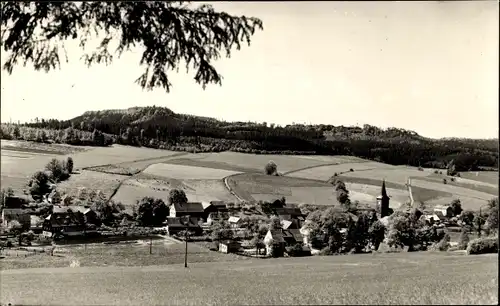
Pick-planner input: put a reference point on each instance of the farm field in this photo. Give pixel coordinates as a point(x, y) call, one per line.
point(397, 175)
point(490, 177)
point(19, 161)
point(463, 183)
point(92, 180)
point(135, 189)
point(182, 172)
point(257, 162)
point(323, 173)
point(416, 278)
point(135, 167)
point(115, 154)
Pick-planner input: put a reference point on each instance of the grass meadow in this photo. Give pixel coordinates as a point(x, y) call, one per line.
point(490, 177)
point(396, 279)
point(256, 162)
point(323, 173)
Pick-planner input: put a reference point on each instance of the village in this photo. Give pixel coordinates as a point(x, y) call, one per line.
point(264, 229)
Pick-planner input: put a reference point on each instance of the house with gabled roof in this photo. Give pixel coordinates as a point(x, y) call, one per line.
point(234, 222)
point(443, 210)
point(69, 221)
point(193, 209)
point(275, 242)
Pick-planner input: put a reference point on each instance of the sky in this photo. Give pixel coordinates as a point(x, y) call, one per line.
point(430, 67)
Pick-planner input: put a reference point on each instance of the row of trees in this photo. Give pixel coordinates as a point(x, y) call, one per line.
point(161, 128)
point(69, 135)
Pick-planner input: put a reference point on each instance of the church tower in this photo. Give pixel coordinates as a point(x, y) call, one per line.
point(383, 202)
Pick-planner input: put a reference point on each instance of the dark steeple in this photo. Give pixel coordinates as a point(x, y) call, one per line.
point(384, 192)
point(384, 201)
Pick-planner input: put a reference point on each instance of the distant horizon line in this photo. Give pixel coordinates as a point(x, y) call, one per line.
point(256, 122)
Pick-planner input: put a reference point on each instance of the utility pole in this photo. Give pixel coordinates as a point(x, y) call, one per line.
point(479, 223)
point(186, 251)
point(150, 244)
point(186, 226)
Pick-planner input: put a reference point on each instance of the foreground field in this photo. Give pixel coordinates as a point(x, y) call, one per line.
point(405, 278)
point(164, 252)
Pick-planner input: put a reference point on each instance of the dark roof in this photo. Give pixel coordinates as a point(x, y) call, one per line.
point(14, 202)
point(56, 209)
point(230, 242)
point(218, 204)
point(277, 235)
point(292, 211)
point(190, 207)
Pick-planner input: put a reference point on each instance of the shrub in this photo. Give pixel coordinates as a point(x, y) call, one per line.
point(351, 170)
point(463, 240)
point(440, 172)
point(443, 245)
point(420, 169)
point(444, 181)
point(295, 250)
point(69, 165)
point(483, 246)
point(452, 179)
point(436, 172)
point(271, 168)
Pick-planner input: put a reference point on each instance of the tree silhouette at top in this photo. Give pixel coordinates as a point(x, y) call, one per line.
point(170, 33)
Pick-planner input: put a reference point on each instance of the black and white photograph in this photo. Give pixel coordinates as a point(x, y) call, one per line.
point(249, 152)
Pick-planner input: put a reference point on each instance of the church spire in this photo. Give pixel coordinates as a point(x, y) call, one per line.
point(384, 192)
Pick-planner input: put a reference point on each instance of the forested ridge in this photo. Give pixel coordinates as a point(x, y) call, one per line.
point(160, 127)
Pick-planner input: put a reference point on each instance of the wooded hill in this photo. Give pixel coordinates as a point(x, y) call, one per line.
point(160, 127)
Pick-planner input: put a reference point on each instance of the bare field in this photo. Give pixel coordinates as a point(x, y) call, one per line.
point(396, 279)
point(200, 162)
point(40, 148)
point(92, 180)
point(135, 189)
point(17, 167)
point(454, 190)
point(116, 154)
point(135, 167)
point(365, 194)
point(419, 194)
point(468, 203)
point(463, 183)
point(285, 162)
point(266, 187)
point(323, 173)
point(182, 172)
point(397, 175)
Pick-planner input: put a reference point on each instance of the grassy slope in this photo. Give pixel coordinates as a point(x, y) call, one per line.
point(405, 278)
point(482, 176)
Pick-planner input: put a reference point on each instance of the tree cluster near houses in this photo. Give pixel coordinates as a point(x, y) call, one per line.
point(159, 127)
